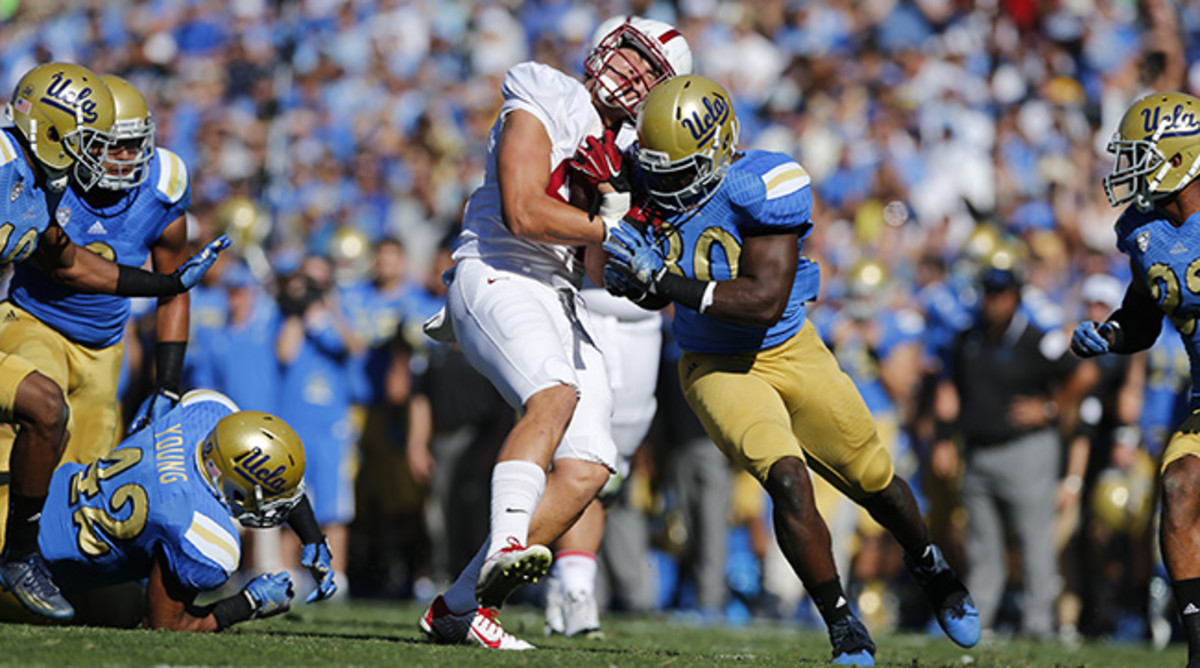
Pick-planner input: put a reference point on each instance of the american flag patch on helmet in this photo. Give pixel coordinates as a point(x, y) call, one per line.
point(23, 105)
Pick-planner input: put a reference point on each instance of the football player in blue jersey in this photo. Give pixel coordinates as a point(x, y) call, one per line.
point(1157, 149)
point(724, 246)
point(161, 507)
point(61, 114)
point(128, 203)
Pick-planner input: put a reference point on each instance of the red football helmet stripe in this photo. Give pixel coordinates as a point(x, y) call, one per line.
point(668, 36)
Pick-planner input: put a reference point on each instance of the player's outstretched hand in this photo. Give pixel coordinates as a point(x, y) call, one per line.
point(316, 558)
point(1091, 338)
point(189, 273)
point(598, 160)
point(270, 594)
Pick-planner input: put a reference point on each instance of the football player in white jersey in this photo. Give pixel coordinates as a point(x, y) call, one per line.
point(631, 339)
point(515, 308)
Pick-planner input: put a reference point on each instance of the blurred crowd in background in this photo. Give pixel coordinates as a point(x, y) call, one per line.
point(336, 141)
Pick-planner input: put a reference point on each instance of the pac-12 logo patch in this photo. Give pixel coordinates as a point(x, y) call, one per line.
point(1143, 241)
point(63, 215)
point(17, 189)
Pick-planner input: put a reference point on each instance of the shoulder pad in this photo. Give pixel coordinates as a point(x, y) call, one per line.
point(8, 149)
point(207, 537)
point(773, 188)
point(172, 182)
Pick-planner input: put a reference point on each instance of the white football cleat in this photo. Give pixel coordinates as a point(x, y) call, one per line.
point(511, 567)
point(554, 607)
point(477, 627)
point(581, 616)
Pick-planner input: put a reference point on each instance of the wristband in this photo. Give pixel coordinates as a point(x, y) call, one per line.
point(707, 300)
point(137, 282)
point(1072, 483)
point(304, 523)
point(687, 292)
point(230, 611)
point(168, 363)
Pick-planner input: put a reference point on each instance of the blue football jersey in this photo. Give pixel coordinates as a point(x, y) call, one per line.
point(764, 192)
point(26, 213)
point(103, 522)
point(122, 232)
point(1167, 258)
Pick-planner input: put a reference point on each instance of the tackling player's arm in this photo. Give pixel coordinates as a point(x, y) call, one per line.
point(523, 158)
point(759, 295)
point(80, 269)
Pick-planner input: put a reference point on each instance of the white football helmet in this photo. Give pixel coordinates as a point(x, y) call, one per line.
point(659, 43)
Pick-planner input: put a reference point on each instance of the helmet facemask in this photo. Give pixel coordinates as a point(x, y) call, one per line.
point(686, 183)
point(89, 148)
point(135, 139)
point(606, 63)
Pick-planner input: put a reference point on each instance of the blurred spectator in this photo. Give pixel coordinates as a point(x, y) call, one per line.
point(1008, 382)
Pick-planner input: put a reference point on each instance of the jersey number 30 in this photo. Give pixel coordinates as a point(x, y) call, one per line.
point(89, 520)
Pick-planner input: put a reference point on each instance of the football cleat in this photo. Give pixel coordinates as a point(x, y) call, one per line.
point(952, 603)
point(511, 567)
point(476, 627)
point(581, 616)
point(554, 607)
point(29, 580)
point(852, 645)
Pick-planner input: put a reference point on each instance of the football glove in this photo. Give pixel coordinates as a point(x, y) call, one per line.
point(316, 558)
point(636, 257)
point(158, 404)
point(598, 160)
point(189, 273)
point(1092, 338)
point(269, 594)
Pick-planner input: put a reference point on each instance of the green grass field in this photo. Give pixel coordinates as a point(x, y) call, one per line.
point(377, 634)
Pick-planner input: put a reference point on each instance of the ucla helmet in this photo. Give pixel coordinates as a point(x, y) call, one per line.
point(131, 144)
point(687, 134)
point(659, 43)
point(254, 462)
point(64, 112)
point(1156, 149)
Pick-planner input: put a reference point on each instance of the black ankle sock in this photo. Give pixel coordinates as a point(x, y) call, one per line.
point(1187, 599)
point(831, 601)
point(24, 513)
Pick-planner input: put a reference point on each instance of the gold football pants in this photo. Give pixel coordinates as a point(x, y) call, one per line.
point(791, 400)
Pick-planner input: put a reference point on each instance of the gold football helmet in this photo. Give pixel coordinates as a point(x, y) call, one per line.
point(131, 143)
point(65, 112)
point(1156, 148)
point(255, 463)
point(687, 133)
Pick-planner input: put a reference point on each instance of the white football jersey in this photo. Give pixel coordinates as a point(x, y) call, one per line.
point(564, 107)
